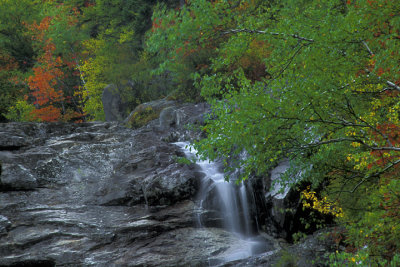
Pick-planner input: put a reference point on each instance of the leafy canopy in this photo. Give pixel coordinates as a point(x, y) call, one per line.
point(314, 81)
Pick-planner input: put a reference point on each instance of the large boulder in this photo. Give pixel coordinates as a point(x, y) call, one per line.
point(16, 176)
point(115, 108)
point(169, 117)
point(151, 176)
point(146, 112)
point(279, 207)
point(282, 202)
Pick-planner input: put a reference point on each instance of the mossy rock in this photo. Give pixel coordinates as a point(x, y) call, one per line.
point(142, 115)
point(287, 259)
point(146, 112)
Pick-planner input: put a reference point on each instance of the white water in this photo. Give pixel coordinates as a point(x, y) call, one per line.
point(232, 202)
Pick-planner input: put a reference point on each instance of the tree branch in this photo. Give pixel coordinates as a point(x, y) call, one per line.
point(338, 140)
point(392, 148)
point(374, 175)
point(391, 84)
point(232, 31)
point(367, 47)
point(81, 75)
point(289, 61)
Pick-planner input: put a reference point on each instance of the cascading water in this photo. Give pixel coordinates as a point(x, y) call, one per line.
point(232, 202)
point(245, 207)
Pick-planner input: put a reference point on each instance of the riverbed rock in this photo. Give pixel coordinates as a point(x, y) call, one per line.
point(151, 176)
point(279, 204)
point(169, 117)
point(16, 176)
point(5, 224)
point(104, 195)
point(113, 106)
point(280, 210)
point(145, 112)
point(111, 103)
point(312, 251)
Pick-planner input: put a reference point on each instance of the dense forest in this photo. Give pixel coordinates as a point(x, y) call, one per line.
point(314, 81)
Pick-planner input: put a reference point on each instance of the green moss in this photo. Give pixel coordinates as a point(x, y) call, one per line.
point(287, 260)
point(142, 116)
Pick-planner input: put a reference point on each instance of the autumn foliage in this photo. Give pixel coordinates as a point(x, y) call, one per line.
point(46, 85)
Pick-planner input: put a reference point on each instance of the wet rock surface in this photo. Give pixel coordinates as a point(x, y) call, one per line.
point(312, 251)
point(4, 224)
point(16, 177)
point(99, 194)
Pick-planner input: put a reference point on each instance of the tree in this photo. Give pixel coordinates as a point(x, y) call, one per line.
point(45, 56)
point(111, 55)
point(54, 73)
point(64, 53)
point(16, 50)
point(326, 96)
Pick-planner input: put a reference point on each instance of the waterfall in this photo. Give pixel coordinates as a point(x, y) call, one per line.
point(246, 210)
point(231, 201)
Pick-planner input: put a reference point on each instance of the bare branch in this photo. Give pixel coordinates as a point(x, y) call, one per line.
point(232, 31)
point(338, 140)
point(389, 83)
point(393, 85)
point(81, 75)
point(290, 60)
point(367, 47)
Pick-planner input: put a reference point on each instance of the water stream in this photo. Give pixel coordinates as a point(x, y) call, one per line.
point(232, 202)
